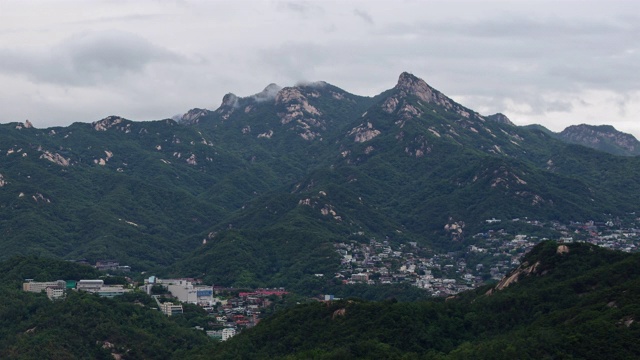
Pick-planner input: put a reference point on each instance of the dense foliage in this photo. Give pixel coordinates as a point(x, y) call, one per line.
point(83, 325)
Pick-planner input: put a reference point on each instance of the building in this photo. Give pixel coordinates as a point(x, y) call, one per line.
point(360, 277)
point(106, 265)
point(228, 333)
point(215, 334)
point(170, 309)
point(89, 285)
point(186, 292)
point(97, 287)
point(32, 286)
point(111, 291)
point(54, 293)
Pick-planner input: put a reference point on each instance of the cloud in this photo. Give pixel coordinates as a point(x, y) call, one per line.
point(269, 93)
point(364, 16)
point(87, 59)
point(304, 8)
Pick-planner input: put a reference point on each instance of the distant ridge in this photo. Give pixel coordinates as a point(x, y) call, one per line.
point(602, 137)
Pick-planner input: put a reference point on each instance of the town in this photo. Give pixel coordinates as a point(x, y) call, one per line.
point(494, 253)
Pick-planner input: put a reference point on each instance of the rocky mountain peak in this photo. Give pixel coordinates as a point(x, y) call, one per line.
point(106, 123)
point(193, 116)
point(413, 85)
point(500, 118)
point(269, 93)
point(409, 84)
point(229, 99)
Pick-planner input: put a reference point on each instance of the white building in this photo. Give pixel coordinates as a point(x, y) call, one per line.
point(54, 293)
point(171, 309)
point(186, 292)
point(228, 333)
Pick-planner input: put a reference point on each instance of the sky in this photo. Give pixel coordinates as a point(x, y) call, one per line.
point(555, 63)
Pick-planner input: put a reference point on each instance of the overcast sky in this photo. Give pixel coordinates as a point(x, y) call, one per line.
point(555, 63)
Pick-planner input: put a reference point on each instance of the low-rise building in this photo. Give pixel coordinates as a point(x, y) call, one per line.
point(111, 291)
point(54, 293)
point(32, 286)
point(228, 333)
point(89, 285)
point(170, 309)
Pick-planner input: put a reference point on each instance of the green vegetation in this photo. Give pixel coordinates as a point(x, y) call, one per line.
point(84, 325)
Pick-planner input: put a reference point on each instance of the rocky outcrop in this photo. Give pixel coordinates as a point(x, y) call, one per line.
point(55, 158)
point(298, 111)
point(228, 106)
point(499, 118)
point(39, 198)
point(364, 132)
point(193, 116)
point(328, 210)
point(107, 123)
point(266, 135)
point(338, 313)
point(192, 160)
point(25, 125)
point(523, 270)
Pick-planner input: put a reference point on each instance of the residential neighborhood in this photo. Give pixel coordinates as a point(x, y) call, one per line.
point(494, 253)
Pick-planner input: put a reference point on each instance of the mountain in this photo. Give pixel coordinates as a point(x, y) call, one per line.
point(604, 138)
point(565, 301)
point(259, 191)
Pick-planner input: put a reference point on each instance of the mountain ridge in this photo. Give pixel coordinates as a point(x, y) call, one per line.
point(308, 166)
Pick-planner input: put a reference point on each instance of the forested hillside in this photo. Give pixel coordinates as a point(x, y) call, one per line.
point(84, 325)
